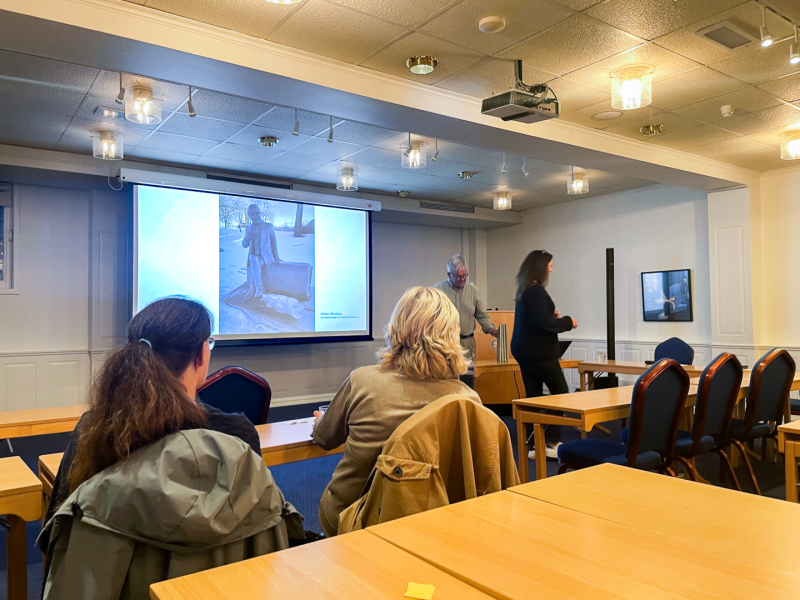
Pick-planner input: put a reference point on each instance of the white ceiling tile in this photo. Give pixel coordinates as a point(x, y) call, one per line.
point(358, 133)
point(225, 107)
point(756, 64)
point(571, 45)
point(583, 116)
point(200, 127)
point(394, 143)
point(489, 77)
point(753, 157)
point(574, 96)
point(250, 135)
point(578, 4)
point(743, 101)
point(786, 88)
point(671, 122)
point(282, 119)
point(338, 32)
point(727, 147)
point(28, 119)
point(245, 154)
point(291, 160)
point(523, 19)
point(746, 16)
point(653, 18)
point(235, 166)
point(404, 12)
point(77, 145)
point(251, 17)
point(452, 58)
point(322, 148)
point(690, 87)
point(165, 156)
point(45, 72)
point(25, 137)
point(43, 98)
point(177, 143)
point(771, 137)
point(697, 136)
point(770, 118)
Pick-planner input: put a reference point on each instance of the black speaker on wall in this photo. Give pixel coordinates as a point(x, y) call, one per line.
point(611, 379)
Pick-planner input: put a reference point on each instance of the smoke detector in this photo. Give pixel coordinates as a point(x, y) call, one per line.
point(607, 115)
point(466, 174)
point(649, 130)
point(492, 24)
point(726, 110)
point(268, 141)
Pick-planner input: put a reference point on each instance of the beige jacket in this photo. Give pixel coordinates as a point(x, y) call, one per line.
point(366, 410)
point(452, 450)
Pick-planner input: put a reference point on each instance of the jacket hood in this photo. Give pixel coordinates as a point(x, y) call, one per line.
point(194, 488)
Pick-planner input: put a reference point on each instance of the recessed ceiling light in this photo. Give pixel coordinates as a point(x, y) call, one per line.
point(726, 110)
point(403, 193)
point(109, 113)
point(421, 65)
point(607, 115)
point(268, 141)
point(492, 24)
point(649, 130)
point(466, 174)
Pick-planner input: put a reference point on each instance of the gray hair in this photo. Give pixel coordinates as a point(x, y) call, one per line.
point(455, 263)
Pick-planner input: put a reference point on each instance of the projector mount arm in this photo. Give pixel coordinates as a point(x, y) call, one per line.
point(540, 89)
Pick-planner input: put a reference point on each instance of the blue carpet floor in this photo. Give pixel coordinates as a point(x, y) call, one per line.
point(303, 483)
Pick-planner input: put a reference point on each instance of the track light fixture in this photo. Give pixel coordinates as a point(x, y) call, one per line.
point(407, 151)
point(794, 50)
point(524, 170)
point(189, 105)
point(766, 38)
point(436, 153)
point(503, 170)
point(121, 96)
point(296, 130)
point(330, 133)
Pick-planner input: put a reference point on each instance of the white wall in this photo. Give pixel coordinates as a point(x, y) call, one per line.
point(650, 230)
point(780, 267)
point(74, 301)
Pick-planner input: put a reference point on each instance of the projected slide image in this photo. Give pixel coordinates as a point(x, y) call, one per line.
point(266, 266)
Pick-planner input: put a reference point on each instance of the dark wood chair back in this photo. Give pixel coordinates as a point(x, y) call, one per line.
point(234, 389)
point(716, 397)
point(770, 383)
point(659, 396)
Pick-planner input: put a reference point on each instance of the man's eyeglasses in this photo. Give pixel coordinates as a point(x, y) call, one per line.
point(458, 277)
point(211, 343)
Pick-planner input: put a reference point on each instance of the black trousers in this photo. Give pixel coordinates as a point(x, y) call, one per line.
point(535, 375)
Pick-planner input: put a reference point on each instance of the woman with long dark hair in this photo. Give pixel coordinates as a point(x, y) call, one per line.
point(534, 342)
point(146, 390)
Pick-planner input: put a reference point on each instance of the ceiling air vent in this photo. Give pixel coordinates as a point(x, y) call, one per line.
point(448, 207)
point(283, 185)
point(727, 35)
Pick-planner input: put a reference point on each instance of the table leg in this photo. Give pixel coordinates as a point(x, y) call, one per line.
point(583, 380)
point(522, 450)
point(791, 471)
point(541, 458)
point(17, 559)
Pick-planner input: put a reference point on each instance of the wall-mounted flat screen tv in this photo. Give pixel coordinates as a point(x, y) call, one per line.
point(667, 295)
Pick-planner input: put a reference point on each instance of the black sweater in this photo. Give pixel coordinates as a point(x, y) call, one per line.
point(536, 329)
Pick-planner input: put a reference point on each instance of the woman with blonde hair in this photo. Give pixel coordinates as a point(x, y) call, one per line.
point(421, 362)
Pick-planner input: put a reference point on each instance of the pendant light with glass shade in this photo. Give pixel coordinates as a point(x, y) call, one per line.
point(413, 155)
point(790, 145)
point(348, 180)
point(578, 183)
point(632, 87)
point(143, 105)
point(107, 144)
point(502, 201)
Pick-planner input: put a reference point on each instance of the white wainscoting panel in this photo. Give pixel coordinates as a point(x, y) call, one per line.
point(43, 380)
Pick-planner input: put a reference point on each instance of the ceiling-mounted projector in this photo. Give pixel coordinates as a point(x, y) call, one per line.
point(524, 103)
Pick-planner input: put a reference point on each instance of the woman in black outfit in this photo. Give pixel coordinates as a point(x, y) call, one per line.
point(534, 342)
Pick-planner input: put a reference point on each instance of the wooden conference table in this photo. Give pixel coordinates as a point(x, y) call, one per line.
point(589, 409)
point(789, 444)
point(604, 532)
point(587, 369)
point(20, 501)
point(501, 382)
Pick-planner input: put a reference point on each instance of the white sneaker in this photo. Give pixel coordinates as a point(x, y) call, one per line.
point(550, 451)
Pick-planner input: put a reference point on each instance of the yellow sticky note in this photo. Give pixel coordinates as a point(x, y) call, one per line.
point(422, 591)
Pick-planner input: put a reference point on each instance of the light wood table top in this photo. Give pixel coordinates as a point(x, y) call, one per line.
point(16, 478)
point(48, 467)
point(39, 421)
point(517, 548)
point(790, 429)
point(290, 441)
point(759, 534)
point(355, 566)
point(628, 367)
point(493, 366)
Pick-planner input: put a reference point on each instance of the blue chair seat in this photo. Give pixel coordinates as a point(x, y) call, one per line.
point(683, 445)
point(738, 427)
point(795, 404)
point(589, 452)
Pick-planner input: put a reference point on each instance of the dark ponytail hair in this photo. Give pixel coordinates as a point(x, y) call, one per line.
point(535, 270)
point(136, 397)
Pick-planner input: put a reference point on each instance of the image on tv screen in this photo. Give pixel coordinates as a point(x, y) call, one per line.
point(667, 295)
